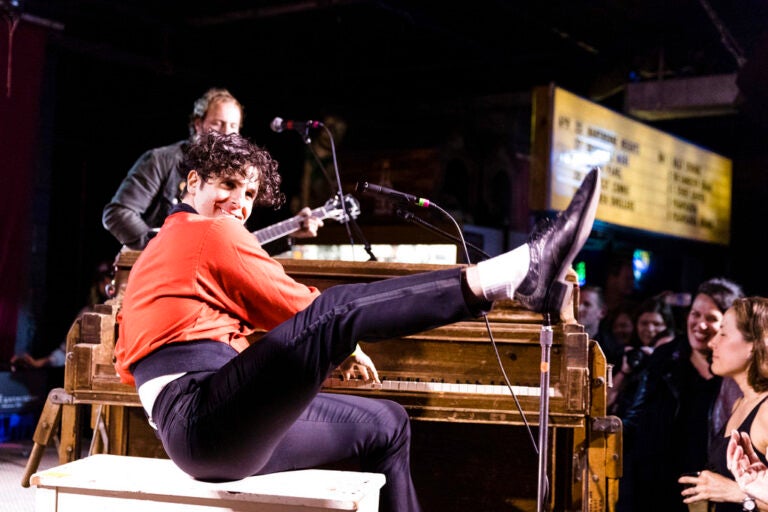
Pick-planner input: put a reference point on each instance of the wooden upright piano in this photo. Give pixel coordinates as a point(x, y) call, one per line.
point(473, 446)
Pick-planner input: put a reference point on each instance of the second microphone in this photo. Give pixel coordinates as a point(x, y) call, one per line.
point(370, 188)
point(279, 125)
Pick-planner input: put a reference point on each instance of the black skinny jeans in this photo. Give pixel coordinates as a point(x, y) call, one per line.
point(261, 412)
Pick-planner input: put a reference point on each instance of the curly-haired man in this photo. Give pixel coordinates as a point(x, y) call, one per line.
point(226, 408)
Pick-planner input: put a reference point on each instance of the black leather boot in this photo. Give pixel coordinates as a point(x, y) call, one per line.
point(553, 247)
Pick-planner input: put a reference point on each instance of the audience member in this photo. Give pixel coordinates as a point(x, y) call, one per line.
point(99, 291)
point(619, 284)
point(616, 331)
point(620, 323)
point(654, 321)
point(668, 417)
point(652, 317)
point(591, 309)
point(592, 313)
point(739, 351)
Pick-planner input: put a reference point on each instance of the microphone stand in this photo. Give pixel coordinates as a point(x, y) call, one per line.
point(545, 339)
point(415, 219)
point(348, 218)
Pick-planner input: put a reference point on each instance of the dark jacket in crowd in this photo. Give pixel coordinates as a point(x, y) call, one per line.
point(666, 429)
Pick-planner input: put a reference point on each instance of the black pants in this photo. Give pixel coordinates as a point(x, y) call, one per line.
point(262, 413)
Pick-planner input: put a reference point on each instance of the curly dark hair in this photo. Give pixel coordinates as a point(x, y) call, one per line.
point(215, 154)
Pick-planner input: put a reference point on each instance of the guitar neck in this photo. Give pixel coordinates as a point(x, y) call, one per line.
point(286, 227)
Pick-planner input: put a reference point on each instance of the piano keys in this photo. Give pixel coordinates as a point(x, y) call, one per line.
point(406, 384)
point(439, 378)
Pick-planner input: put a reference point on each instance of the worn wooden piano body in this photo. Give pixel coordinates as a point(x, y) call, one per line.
point(471, 447)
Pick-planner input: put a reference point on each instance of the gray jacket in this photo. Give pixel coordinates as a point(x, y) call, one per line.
point(145, 196)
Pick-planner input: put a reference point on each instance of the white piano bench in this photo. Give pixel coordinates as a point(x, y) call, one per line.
point(126, 484)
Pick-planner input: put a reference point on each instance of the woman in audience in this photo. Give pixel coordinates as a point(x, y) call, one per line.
point(652, 318)
point(669, 417)
point(739, 351)
point(615, 333)
point(622, 326)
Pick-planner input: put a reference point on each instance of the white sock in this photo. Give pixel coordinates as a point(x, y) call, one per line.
point(501, 275)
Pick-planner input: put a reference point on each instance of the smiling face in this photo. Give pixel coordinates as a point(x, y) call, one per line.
point(731, 353)
point(704, 321)
point(649, 324)
point(228, 174)
point(224, 195)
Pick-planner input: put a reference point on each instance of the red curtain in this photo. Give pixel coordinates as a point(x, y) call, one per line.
point(20, 89)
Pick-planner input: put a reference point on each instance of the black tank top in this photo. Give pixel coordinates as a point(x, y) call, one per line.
point(717, 460)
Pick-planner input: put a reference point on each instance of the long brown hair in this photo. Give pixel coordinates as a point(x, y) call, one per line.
point(752, 322)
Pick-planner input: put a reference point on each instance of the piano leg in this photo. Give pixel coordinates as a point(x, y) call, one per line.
point(71, 428)
point(46, 426)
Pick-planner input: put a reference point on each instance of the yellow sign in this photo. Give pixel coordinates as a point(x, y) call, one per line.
point(651, 180)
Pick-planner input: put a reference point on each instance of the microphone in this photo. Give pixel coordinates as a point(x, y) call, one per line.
point(370, 188)
point(278, 125)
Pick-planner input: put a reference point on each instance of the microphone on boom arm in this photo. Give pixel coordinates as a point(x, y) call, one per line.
point(279, 125)
point(371, 188)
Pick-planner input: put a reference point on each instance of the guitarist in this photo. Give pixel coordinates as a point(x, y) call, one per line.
point(154, 185)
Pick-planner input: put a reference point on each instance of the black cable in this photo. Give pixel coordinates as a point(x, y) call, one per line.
point(415, 219)
point(490, 334)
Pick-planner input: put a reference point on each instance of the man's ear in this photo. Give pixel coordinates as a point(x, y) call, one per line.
point(193, 182)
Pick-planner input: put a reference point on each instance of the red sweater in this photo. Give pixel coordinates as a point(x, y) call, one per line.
point(202, 278)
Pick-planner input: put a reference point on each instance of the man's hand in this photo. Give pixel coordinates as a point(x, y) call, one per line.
point(358, 364)
point(309, 224)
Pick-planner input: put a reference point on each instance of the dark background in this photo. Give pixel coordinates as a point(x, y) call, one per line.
point(117, 77)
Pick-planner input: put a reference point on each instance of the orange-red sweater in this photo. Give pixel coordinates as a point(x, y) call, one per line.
point(202, 278)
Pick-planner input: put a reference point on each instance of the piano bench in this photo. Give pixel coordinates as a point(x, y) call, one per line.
point(126, 484)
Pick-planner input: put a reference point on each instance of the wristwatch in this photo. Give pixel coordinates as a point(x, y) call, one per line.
point(749, 504)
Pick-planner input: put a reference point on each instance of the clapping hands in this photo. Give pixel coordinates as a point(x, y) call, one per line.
point(750, 473)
